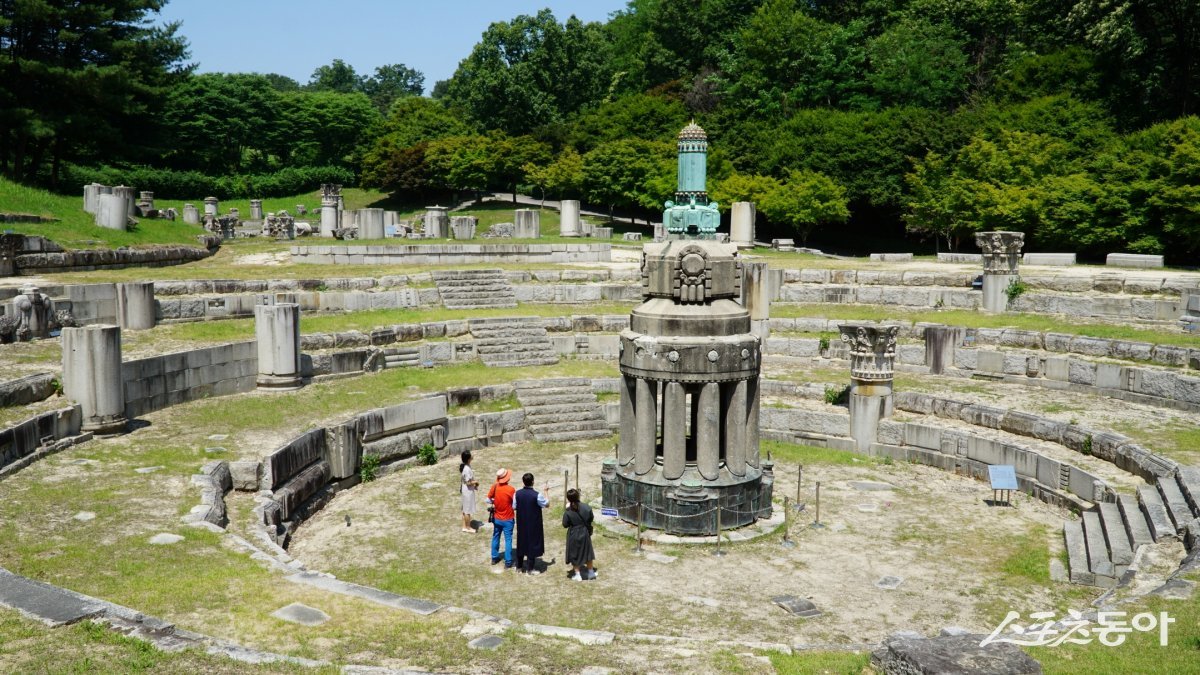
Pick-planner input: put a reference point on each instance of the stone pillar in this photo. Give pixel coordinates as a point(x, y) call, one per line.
point(191, 215)
point(329, 216)
point(1190, 299)
point(527, 223)
point(1001, 254)
point(91, 197)
point(627, 443)
point(112, 212)
point(130, 196)
point(674, 433)
point(210, 206)
point(569, 225)
point(660, 232)
point(741, 224)
point(437, 222)
point(463, 227)
point(277, 331)
point(370, 223)
point(736, 408)
point(146, 200)
point(752, 431)
point(256, 211)
point(92, 376)
point(872, 358)
point(135, 305)
point(756, 297)
point(708, 430)
point(940, 343)
point(647, 426)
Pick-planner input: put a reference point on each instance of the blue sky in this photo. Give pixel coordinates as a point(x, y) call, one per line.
point(294, 37)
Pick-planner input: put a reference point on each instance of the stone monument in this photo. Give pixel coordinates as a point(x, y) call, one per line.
point(527, 223)
point(437, 222)
point(370, 223)
point(191, 215)
point(34, 312)
point(569, 223)
point(92, 376)
point(331, 195)
point(277, 334)
point(741, 224)
point(1001, 254)
point(688, 458)
point(211, 205)
point(463, 227)
point(256, 209)
point(872, 362)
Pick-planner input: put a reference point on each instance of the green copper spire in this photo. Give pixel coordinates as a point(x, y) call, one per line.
point(691, 215)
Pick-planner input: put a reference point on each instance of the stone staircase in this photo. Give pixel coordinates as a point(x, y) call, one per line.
point(512, 342)
point(1102, 544)
point(474, 289)
point(562, 409)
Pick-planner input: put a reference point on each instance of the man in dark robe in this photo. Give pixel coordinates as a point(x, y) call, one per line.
point(531, 544)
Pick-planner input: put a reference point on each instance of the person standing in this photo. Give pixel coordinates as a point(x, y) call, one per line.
point(531, 543)
point(500, 495)
point(469, 487)
point(578, 520)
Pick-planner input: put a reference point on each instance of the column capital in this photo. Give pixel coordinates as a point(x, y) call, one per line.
point(872, 350)
point(1001, 251)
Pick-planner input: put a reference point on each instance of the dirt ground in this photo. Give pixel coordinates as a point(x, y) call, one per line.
point(931, 529)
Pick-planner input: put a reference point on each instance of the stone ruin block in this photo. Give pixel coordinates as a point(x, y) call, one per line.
point(293, 457)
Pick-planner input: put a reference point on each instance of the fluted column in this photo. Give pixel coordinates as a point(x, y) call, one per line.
point(708, 431)
point(277, 332)
point(735, 427)
point(627, 444)
point(647, 433)
point(752, 422)
point(92, 376)
point(872, 362)
point(1001, 255)
point(674, 430)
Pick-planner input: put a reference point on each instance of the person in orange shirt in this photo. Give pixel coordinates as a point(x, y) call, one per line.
point(500, 496)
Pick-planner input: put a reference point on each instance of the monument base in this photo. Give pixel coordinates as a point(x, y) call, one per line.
point(688, 506)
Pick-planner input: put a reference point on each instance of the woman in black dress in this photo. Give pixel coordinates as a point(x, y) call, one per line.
point(578, 521)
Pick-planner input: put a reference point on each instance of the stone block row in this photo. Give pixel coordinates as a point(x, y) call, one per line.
point(451, 254)
point(27, 437)
point(1107, 281)
point(157, 382)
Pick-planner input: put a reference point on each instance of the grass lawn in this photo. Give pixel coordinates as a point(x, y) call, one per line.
point(972, 319)
point(77, 228)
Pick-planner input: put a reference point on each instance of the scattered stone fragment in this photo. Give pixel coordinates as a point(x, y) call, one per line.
point(889, 583)
point(797, 606)
point(660, 557)
point(871, 486)
point(597, 670)
point(951, 631)
point(1058, 571)
point(301, 614)
point(837, 527)
point(218, 437)
point(149, 469)
point(430, 485)
point(703, 602)
point(952, 654)
point(486, 642)
point(216, 450)
point(1176, 589)
point(165, 538)
point(82, 462)
point(868, 508)
point(84, 516)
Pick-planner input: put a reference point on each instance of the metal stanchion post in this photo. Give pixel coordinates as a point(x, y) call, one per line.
point(718, 552)
point(799, 481)
point(638, 547)
point(566, 482)
point(787, 541)
point(576, 471)
point(817, 522)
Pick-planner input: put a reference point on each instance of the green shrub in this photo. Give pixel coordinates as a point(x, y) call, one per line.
point(369, 469)
point(1087, 446)
point(172, 184)
point(835, 396)
point(427, 454)
point(823, 342)
point(1016, 288)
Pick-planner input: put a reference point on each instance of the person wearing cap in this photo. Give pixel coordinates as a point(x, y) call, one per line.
point(500, 496)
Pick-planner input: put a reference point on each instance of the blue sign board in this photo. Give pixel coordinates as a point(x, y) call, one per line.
point(1003, 477)
point(608, 511)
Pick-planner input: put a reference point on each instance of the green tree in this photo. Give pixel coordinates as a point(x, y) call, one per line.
point(223, 123)
point(82, 80)
point(629, 173)
point(392, 82)
point(645, 116)
point(739, 187)
point(338, 76)
point(562, 177)
point(531, 71)
point(805, 201)
point(326, 127)
point(918, 63)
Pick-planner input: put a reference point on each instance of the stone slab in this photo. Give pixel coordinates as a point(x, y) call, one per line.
point(1049, 259)
point(796, 606)
point(889, 583)
point(1133, 260)
point(301, 614)
point(375, 595)
point(587, 637)
point(165, 538)
point(871, 486)
point(955, 654)
point(486, 642)
point(891, 257)
point(43, 602)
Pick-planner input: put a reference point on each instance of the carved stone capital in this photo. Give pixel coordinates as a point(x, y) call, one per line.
point(1001, 251)
point(872, 350)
